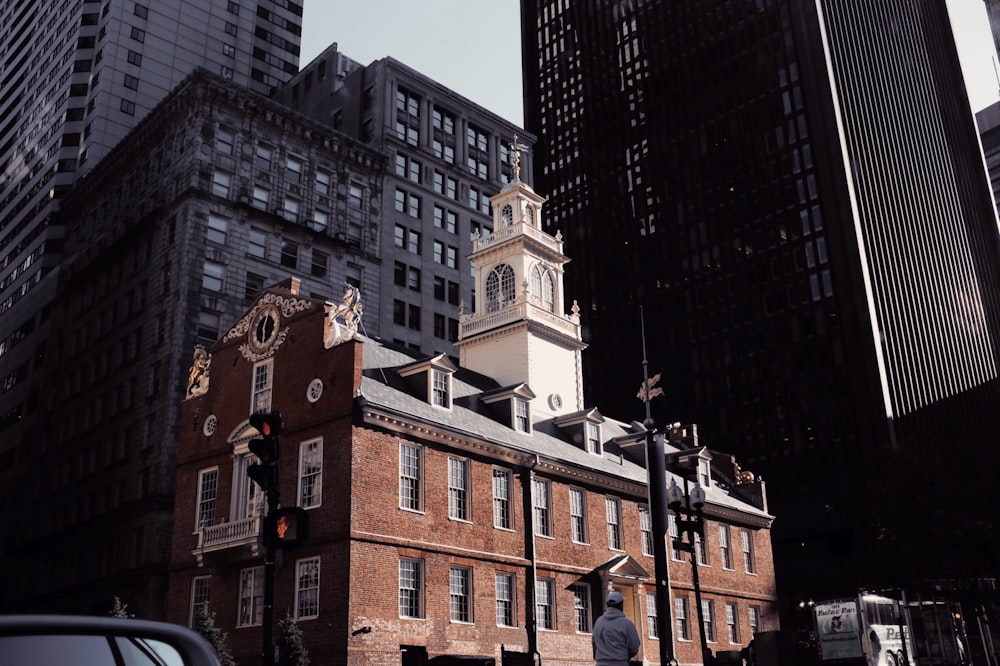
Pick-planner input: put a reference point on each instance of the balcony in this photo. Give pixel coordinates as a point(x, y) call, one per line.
point(237, 540)
point(522, 308)
point(506, 233)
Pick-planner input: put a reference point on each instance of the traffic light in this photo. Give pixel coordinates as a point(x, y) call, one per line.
point(291, 526)
point(265, 473)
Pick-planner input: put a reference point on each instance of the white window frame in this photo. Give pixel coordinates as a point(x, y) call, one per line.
point(732, 623)
point(506, 596)
point(541, 507)
point(592, 435)
point(708, 616)
point(521, 414)
point(545, 603)
point(440, 388)
point(201, 595)
point(581, 608)
point(263, 382)
point(749, 561)
point(578, 515)
point(459, 489)
point(217, 229)
point(646, 529)
point(412, 587)
point(682, 622)
point(460, 595)
point(208, 497)
point(674, 534)
point(248, 498)
point(652, 624)
point(613, 514)
point(307, 578)
point(310, 473)
point(725, 547)
point(503, 496)
point(411, 473)
point(250, 610)
point(754, 619)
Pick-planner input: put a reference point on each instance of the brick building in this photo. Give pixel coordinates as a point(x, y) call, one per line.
point(455, 507)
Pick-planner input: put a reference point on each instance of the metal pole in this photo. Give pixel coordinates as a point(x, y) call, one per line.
point(269, 548)
point(656, 470)
point(696, 525)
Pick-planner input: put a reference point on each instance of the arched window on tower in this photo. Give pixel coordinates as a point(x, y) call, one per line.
point(542, 287)
point(500, 289)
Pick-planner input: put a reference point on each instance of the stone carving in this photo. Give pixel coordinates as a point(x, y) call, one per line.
point(198, 375)
point(342, 320)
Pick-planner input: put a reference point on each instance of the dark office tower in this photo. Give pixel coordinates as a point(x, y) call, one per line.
point(795, 193)
point(75, 78)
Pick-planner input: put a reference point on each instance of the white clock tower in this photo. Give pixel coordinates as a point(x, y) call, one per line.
point(520, 332)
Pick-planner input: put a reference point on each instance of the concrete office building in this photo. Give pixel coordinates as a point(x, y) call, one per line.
point(76, 78)
point(795, 193)
point(216, 194)
point(447, 157)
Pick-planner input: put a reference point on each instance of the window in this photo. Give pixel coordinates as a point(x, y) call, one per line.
point(593, 432)
point(700, 549)
point(505, 599)
point(500, 288)
point(257, 244)
point(407, 117)
point(414, 317)
point(320, 220)
point(458, 489)
point(724, 549)
point(311, 473)
point(613, 508)
point(134, 58)
point(263, 158)
point(323, 181)
point(541, 498)
point(408, 203)
point(646, 529)
point(398, 312)
point(221, 182)
point(748, 559)
point(445, 219)
point(522, 416)
point(208, 488)
point(708, 615)
point(217, 227)
point(141, 11)
point(732, 628)
point(479, 156)
point(224, 141)
point(293, 170)
point(544, 603)
point(681, 618)
point(411, 472)
point(407, 239)
point(754, 617)
point(212, 276)
point(581, 607)
point(261, 197)
point(407, 167)
point(502, 497)
point(251, 609)
point(354, 193)
point(131, 82)
point(411, 587)
point(675, 546)
point(441, 388)
point(208, 325)
point(254, 284)
point(307, 588)
point(199, 597)
point(320, 260)
point(262, 386)
point(652, 626)
point(578, 515)
point(451, 257)
point(443, 144)
point(439, 325)
point(289, 253)
point(460, 594)
point(291, 209)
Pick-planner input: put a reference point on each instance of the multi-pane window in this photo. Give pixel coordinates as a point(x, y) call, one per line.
point(700, 549)
point(445, 219)
point(578, 515)
point(581, 607)
point(646, 529)
point(257, 244)
point(675, 546)
point(261, 197)
point(478, 149)
point(217, 229)
point(708, 616)
point(458, 488)
point(522, 415)
point(224, 141)
point(311, 473)
point(307, 588)
point(407, 117)
point(502, 498)
point(681, 618)
point(293, 170)
point(545, 603)
point(213, 275)
point(291, 209)
point(199, 597)
point(479, 201)
point(652, 626)
point(411, 588)
point(748, 559)
point(754, 619)
point(262, 379)
point(407, 239)
point(441, 388)
point(541, 501)
point(251, 605)
point(732, 625)
point(505, 599)
point(323, 182)
point(411, 468)
point(263, 158)
point(724, 548)
point(451, 257)
point(289, 253)
point(443, 144)
point(500, 287)
point(407, 167)
point(208, 488)
point(320, 262)
point(613, 508)
point(593, 436)
point(460, 594)
point(221, 183)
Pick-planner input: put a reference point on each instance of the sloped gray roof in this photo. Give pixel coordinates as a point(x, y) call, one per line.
point(383, 388)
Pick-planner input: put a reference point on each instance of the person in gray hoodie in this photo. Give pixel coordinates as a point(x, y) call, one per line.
point(615, 638)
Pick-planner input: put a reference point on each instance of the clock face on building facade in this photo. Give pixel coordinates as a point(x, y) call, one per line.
point(264, 329)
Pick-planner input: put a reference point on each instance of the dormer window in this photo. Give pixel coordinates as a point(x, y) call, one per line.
point(511, 405)
point(431, 379)
point(522, 415)
point(705, 472)
point(593, 437)
point(584, 428)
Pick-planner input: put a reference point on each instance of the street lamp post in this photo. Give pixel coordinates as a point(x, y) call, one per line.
point(687, 506)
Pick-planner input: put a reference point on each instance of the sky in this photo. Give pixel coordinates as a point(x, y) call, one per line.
point(474, 46)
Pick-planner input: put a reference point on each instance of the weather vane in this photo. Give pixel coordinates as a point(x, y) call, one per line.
point(517, 148)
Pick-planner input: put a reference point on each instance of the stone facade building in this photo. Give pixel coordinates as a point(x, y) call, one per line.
point(476, 507)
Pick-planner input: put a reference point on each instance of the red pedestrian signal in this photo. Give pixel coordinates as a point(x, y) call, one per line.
point(291, 526)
